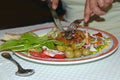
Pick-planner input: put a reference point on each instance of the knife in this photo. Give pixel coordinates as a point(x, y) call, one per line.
point(55, 17)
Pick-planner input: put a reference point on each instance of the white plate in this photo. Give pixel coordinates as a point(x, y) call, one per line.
point(106, 52)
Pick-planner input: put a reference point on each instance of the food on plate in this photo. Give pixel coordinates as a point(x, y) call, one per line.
point(54, 45)
point(78, 37)
point(9, 36)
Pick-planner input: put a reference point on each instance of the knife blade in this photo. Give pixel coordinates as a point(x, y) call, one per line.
point(55, 17)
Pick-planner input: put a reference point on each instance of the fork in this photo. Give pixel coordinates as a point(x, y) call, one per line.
point(69, 33)
point(72, 26)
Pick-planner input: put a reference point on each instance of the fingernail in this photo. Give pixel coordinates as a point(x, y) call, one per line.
point(86, 19)
point(54, 5)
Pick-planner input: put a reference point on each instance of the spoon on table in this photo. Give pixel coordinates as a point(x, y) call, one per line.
point(21, 71)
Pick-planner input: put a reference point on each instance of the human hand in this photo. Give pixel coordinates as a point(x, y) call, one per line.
point(95, 7)
point(53, 2)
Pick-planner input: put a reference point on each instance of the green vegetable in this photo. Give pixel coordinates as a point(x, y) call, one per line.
point(28, 41)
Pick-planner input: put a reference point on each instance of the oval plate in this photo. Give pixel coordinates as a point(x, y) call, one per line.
point(105, 52)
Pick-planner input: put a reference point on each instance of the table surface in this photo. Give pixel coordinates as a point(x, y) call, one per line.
point(104, 69)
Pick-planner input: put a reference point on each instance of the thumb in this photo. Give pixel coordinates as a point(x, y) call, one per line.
point(55, 4)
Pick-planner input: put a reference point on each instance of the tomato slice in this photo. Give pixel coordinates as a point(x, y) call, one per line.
point(60, 56)
point(34, 53)
point(38, 54)
point(43, 55)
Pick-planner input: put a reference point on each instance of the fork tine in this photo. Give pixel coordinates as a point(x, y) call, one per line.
point(70, 29)
point(74, 23)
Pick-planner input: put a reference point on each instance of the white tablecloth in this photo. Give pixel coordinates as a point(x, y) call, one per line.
point(105, 69)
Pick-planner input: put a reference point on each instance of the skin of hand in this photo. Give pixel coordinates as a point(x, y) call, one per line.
point(95, 7)
point(53, 2)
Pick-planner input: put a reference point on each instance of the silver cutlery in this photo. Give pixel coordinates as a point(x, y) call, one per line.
point(21, 71)
point(69, 33)
point(55, 17)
